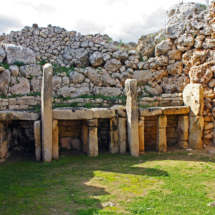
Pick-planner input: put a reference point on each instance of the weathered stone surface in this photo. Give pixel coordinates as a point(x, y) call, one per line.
point(92, 123)
point(96, 59)
point(55, 138)
point(114, 142)
point(208, 126)
point(175, 69)
point(183, 127)
point(162, 121)
point(73, 92)
point(77, 57)
point(122, 134)
point(155, 91)
point(76, 77)
point(30, 70)
point(176, 110)
point(132, 116)
point(196, 125)
point(201, 74)
point(4, 81)
point(19, 53)
point(84, 135)
point(100, 113)
point(185, 42)
point(3, 140)
point(46, 113)
point(72, 113)
point(193, 97)
point(107, 91)
point(163, 48)
point(121, 113)
point(2, 54)
point(182, 144)
point(175, 55)
point(93, 141)
point(112, 65)
point(143, 76)
point(161, 144)
point(211, 83)
point(14, 69)
point(65, 142)
point(23, 87)
point(120, 55)
point(37, 137)
point(141, 135)
point(18, 115)
point(150, 112)
point(75, 144)
point(36, 84)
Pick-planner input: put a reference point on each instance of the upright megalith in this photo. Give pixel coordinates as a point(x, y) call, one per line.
point(193, 97)
point(37, 137)
point(132, 116)
point(93, 149)
point(46, 112)
point(114, 136)
point(3, 140)
point(141, 135)
point(122, 134)
point(55, 140)
point(161, 144)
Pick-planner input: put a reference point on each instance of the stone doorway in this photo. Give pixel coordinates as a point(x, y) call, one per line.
point(103, 135)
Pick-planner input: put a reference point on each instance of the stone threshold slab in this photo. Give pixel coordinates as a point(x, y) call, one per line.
point(156, 111)
point(7, 115)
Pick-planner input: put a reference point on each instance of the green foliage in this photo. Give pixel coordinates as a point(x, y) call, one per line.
point(3, 96)
point(120, 41)
point(73, 104)
point(88, 105)
point(19, 63)
point(141, 57)
point(57, 69)
point(42, 63)
point(5, 65)
point(36, 108)
point(194, 35)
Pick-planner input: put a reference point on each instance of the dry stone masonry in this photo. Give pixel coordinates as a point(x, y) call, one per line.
point(89, 93)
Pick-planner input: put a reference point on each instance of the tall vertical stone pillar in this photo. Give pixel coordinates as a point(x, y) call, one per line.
point(46, 112)
point(114, 136)
point(3, 141)
point(183, 131)
point(161, 144)
point(37, 137)
point(122, 134)
point(93, 149)
point(132, 116)
point(141, 135)
point(193, 97)
point(55, 140)
point(84, 135)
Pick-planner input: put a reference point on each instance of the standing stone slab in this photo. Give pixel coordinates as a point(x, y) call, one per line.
point(37, 136)
point(183, 127)
point(84, 135)
point(3, 140)
point(93, 141)
point(114, 136)
point(55, 140)
point(161, 144)
point(141, 135)
point(122, 134)
point(46, 112)
point(132, 116)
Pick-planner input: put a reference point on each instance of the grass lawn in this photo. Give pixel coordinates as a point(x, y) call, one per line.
point(171, 183)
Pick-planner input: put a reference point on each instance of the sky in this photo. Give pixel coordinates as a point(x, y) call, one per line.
point(124, 20)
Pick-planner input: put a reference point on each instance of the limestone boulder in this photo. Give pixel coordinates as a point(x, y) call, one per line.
point(2, 54)
point(73, 92)
point(19, 53)
point(175, 69)
point(106, 91)
point(56, 82)
point(120, 55)
point(14, 69)
point(208, 43)
point(100, 76)
point(96, 59)
point(163, 48)
point(209, 93)
point(112, 65)
point(211, 83)
point(201, 74)
point(185, 42)
point(76, 77)
point(78, 57)
point(175, 84)
point(22, 88)
point(198, 41)
point(36, 84)
point(175, 55)
point(162, 60)
point(30, 70)
point(157, 90)
point(143, 76)
point(4, 81)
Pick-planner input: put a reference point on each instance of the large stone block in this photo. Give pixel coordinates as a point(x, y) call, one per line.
point(150, 112)
point(37, 137)
point(93, 142)
point(183, 144)
point(132, 116)
point(114, 124)
point(4, 81)
point(162, 121)
point(196, 125)
point(122, 134)
point(161, 144)
point(175, 110)
point(3, 140)
point(84, 135)
point(101, 113)
point(46, 113)
point(55, 140)
point(92, 123)
point(114, 141)
point(141, 135)
point(193, 97)
point(183, 127)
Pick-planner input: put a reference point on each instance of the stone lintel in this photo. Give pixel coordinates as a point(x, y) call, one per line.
point(102, 113)
point(176, 110)
point(150, 112)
